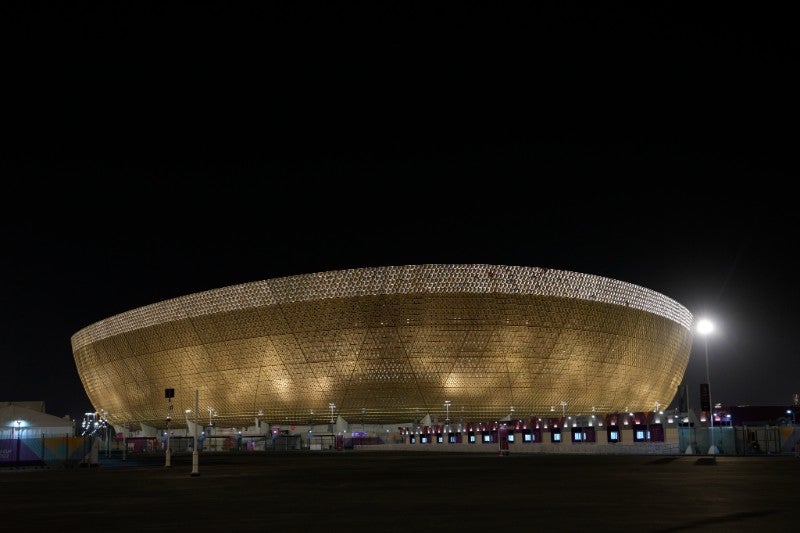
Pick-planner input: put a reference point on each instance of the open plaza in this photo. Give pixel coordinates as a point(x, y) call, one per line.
point(402, 491)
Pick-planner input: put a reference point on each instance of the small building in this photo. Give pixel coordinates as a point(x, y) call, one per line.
point(31, 437)
point(27, 420)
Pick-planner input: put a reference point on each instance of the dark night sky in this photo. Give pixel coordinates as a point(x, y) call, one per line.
point(159, 149)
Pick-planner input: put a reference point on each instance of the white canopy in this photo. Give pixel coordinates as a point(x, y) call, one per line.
point(18, 421)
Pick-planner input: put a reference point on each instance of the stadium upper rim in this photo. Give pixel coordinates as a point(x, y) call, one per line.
point(389, 280)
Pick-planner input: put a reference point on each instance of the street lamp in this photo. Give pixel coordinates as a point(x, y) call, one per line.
point(195, 452)
point(704, 328)
point(310, 427)
point(107, 431)
point(447, 419)
point(169, 394)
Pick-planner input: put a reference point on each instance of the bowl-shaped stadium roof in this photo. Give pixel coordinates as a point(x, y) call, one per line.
point(390, 344)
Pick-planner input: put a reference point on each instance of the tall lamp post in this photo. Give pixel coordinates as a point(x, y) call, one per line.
point(195, 452)
point(704, 328)
point(447, 404)
point(169, 394)
point(107, 431)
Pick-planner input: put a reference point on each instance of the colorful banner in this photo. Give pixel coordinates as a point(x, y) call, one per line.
point(44, 450)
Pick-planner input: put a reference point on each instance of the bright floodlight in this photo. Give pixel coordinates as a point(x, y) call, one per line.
point(704, 326)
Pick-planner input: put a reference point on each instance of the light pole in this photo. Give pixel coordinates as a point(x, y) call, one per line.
point(169, 394)
point(704, 328)
point(447, 419)
point(310, 427)
point(211, 414)
point(107, 431)
point(195, 453)
point(188, 423)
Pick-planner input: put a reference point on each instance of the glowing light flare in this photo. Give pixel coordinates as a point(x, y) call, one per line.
point(705, 326)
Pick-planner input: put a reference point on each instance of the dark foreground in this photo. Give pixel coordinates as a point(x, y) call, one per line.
point(385, 491)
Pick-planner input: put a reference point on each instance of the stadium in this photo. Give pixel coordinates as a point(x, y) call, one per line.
point(391, 348)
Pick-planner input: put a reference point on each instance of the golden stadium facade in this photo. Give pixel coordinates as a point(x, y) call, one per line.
point(391, 345)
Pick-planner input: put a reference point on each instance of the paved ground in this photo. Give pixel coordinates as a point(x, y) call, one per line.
point(412, 491)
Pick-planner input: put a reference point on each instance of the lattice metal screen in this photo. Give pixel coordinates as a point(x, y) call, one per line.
point(391, 345)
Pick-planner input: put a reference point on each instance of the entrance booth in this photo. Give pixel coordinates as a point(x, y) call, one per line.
point(656, 432)
point(502, 437)
point(613, 434)
point(531, 435)
point(640, 433)
point(454, 437)
point(584, 434)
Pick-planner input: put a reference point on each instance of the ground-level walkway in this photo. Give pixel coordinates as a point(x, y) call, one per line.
point(393, 491)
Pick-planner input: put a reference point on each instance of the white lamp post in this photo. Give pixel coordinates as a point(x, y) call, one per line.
point(447, 419)
point(195, 452)
point(168, 394)
point(704, 328)
point(106, 431)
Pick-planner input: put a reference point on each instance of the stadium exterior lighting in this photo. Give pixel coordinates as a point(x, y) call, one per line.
point(705, 327)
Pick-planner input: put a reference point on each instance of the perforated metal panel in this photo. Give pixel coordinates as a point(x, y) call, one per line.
point(390, 345)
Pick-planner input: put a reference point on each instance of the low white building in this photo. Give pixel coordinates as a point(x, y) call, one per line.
point(28, 420)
